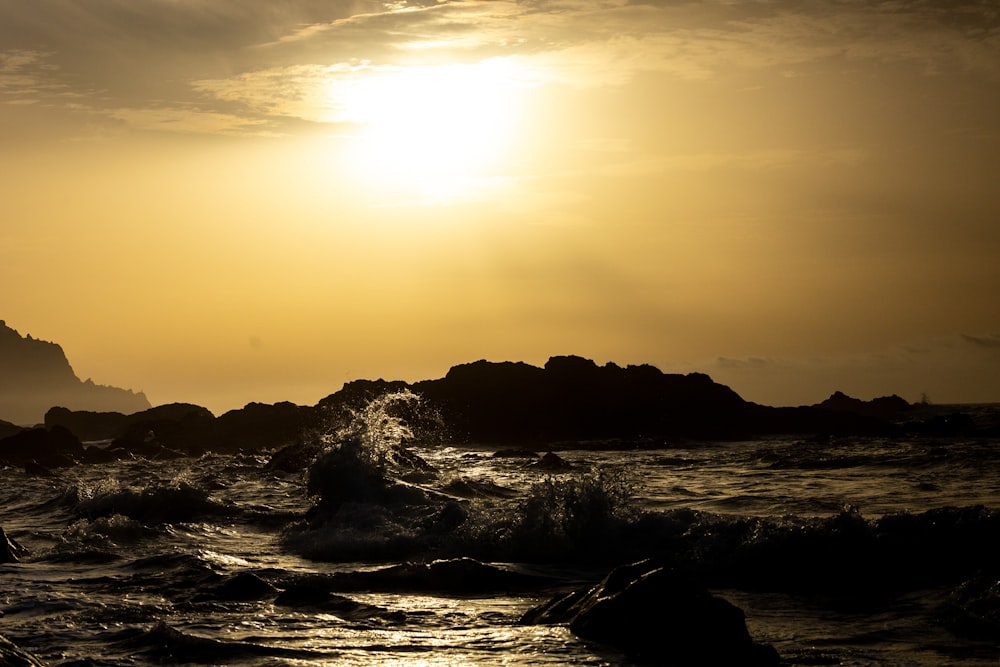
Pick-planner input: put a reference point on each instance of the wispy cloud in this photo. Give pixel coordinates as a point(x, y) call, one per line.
point(27, 77)
point(989, 342)
point(189, 121)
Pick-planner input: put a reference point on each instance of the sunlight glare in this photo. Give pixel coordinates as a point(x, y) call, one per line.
point(434, 132)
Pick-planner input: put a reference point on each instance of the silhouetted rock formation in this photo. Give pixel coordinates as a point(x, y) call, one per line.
point(571, 402)
point(8, 429)
point(657, 615)
point(49, 449)
point(187, 428)
point(572, 399)
point(885, 407)
point(35, 375)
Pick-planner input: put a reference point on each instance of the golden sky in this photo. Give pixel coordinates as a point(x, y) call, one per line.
point(224, 201)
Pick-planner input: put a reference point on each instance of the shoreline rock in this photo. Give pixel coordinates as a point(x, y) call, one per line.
point(657, 614)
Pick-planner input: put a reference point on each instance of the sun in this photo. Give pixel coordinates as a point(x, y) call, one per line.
point(437, 132)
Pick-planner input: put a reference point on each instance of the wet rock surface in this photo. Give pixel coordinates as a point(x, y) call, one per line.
point(659, 615)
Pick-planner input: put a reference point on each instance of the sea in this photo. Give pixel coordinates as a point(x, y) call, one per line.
point(185, 560)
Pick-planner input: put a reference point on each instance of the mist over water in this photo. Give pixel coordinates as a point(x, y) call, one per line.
point(356, 557)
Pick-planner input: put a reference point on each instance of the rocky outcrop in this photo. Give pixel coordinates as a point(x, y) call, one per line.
point(885, 407)
point(7, 429)
point(658, 615)
point(187, 429)
point(47, 448)
point(573, 400)
point(37, 376)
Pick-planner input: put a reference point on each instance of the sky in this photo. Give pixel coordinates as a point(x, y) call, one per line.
point(225, 201)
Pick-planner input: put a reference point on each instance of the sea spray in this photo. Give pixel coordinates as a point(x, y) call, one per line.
point(365, 509)
point(368, 506)
point(577, 516)
point(361, 457)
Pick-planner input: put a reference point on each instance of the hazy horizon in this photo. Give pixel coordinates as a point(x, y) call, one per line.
point(228, 202)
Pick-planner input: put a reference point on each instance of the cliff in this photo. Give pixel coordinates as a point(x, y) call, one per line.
point(35, 376)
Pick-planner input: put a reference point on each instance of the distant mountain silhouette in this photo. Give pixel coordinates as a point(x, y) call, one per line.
point(35, 376)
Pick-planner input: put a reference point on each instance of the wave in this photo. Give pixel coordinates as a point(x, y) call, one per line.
point(844, 553)
point(179, 502)
point(456, 576)
point(164, 643)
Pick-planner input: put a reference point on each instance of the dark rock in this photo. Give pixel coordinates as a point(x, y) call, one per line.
point(178, 426)
point(87, 424)
point(260, 426)
point(552, 462)
point(37, 470)
point(657, 614)
point(51, 449)
point(97, 454)
point(7, 429)
point(573, 399)
point(343, 474)
point(193, 430)
point(11, 655)
point(294, 457)
point(885, 407)
point(10, 550)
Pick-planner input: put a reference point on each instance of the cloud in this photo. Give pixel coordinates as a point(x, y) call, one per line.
point(989, 342)
point(189, 121)
point(751, 363)
point(27, 77)
point(276, 60)
point(956, 368)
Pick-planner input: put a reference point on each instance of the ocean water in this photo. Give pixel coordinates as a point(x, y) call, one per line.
point(182, 561)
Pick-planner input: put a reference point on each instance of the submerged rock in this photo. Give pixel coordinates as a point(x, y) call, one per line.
point(657, 614)
point(12, 655)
